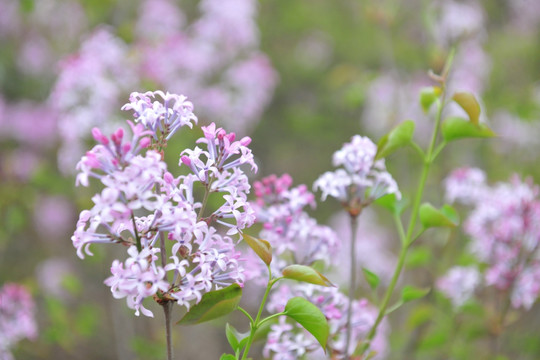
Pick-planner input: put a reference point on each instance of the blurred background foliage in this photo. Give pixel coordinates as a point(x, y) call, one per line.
point(344, 67)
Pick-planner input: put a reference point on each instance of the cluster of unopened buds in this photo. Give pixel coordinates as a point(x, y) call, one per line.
point(149, 210)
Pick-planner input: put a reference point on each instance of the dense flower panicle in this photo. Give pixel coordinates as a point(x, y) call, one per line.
point(504, 227)
point(17, 317)
point(142, 202)
point(363, 178)
point(290, 341)
point(167, 117)
point(459, 284)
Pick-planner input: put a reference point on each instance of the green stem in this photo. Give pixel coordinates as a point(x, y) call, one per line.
point(204, 202)
point(137, 237)
point(255, 324)
point(268, 318)
point(352, 282)
point(242, 310)
point(407, 241)
point(167, 307)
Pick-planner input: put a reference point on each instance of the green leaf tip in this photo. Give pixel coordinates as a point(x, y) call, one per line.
point(398, 137)
point(306, 274)
point(468, 102)
point(371, 278)
point(410, 293)
point(430, 217)
point(262, 248)
point(428, 96)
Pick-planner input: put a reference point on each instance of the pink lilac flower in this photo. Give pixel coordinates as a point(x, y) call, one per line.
point(459, 284)
point(291, 341)
point(17, 317)
point(465, 185)
point(137, 278)
point(504, 227)
point(295, 237)
point(142, 202)
point(362, 178)
point(167, 117)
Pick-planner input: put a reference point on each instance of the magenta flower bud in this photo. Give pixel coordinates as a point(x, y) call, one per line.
point(117, 136)
point(99, 137)
point(186, 160)
point(231, 136)
point(168, 178)
point(145, 142)
point(245, 141)
point(126, 147)
point(221, 134)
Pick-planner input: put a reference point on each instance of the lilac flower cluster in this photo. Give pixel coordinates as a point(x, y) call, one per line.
point(362, 178)
point(17, 318)
point(143, 205)
point(459, 284)
point(288, 341)
point(296, 238)
point(504, 227)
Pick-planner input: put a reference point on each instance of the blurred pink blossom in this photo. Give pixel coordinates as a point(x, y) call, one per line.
point(17, 317)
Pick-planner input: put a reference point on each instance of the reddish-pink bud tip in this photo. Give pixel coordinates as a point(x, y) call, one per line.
point(99, 137)
point(186, 160)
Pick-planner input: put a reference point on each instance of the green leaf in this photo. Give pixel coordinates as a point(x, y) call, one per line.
point(468, 102)
point(305, 274)
point(398, 137)
point(261, 247)
point(431, 217)
point(372, 279)
point(230, 332)
point(27, 6)
point(428, 96)
point(390, 202)
point(410, 293)
point(213, 304)
point(310, 317)
point(454, 128)
point(236, 339)
point(227, 357)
